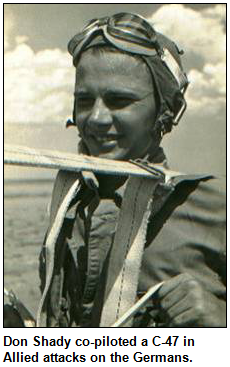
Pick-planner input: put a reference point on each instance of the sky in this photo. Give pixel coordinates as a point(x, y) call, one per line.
point(39, 76)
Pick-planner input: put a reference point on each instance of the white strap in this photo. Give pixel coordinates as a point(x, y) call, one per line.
point(67, 180)
point(126, 254)
point(174, 68)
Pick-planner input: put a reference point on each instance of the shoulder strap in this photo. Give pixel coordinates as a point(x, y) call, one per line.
point(127, 249)
point(65, 189)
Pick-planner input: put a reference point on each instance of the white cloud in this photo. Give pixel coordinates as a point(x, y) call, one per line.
point(201, 34)
point(21, 39)
point(217, 12)
point(38, 86)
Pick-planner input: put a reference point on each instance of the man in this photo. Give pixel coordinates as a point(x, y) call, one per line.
point(111, 238)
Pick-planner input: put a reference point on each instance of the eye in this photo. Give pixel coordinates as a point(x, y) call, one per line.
point(119, 101)
point(84, 101)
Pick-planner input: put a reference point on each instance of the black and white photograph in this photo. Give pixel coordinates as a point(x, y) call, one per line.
point(114, 165)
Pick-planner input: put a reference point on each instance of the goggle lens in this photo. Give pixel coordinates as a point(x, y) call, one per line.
point(131, 22)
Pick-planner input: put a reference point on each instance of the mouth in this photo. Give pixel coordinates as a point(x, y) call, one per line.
point(105, 138)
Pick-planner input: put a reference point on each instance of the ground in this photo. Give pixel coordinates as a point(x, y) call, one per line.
point(25, 223)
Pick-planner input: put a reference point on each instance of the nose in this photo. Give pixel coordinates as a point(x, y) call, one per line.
point(100, 117)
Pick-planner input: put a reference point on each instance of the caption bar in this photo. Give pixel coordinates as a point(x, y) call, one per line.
point(103, 350)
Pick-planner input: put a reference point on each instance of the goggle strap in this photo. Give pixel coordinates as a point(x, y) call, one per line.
point(83, 44)
point(174, 68)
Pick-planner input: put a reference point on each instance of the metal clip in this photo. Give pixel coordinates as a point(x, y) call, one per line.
point(146, 166)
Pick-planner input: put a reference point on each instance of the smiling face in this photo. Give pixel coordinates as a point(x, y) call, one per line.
point(115, 105)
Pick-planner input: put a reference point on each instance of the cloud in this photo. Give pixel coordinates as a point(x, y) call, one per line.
point(38, 86)
point(217, 12)
point(202, 35)
point(201, 31)
point(21, 39)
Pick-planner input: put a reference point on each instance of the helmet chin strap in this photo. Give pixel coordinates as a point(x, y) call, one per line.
point(163, 123)
point(165, 115)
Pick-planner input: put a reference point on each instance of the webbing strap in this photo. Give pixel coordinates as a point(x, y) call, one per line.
point(64, 191)
point(126, 254)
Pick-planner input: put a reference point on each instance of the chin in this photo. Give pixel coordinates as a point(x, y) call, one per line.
point(111, 154)
point(117, 156)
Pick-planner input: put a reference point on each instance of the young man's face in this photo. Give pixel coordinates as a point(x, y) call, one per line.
point(115, 105)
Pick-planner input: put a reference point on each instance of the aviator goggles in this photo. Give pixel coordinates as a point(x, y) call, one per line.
point(132, 33)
